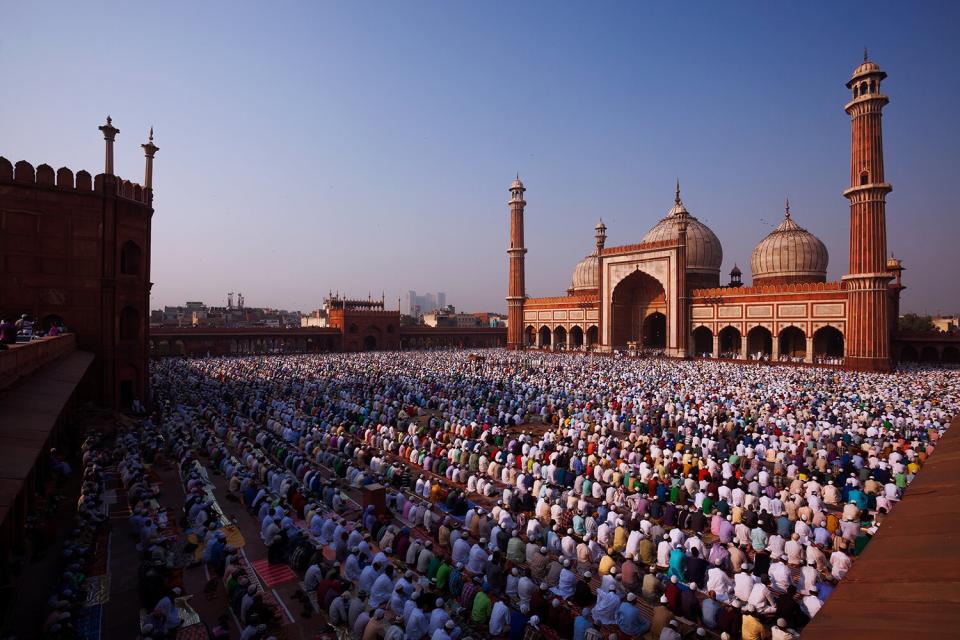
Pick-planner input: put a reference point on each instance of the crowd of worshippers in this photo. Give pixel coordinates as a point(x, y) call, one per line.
point(79, 548)
point(659, 497)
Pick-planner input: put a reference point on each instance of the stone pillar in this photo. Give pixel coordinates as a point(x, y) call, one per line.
point(808, 357)
point(716, 345)
point(743, 347)
point(149, 150)
point(109, 135)
point(775, 348)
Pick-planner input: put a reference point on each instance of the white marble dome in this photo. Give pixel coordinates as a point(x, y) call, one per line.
point(704, 252)
point(586, 275)
point(789, 254)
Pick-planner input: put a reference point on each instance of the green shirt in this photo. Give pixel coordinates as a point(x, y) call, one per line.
point(443, 575)
point(482, 608)
point(707, 505)
point(433, 567)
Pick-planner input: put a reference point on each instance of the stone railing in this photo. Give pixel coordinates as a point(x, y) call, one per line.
point(22, 359)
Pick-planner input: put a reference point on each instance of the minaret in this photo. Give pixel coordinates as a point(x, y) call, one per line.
point(867, 335)
point(683, 300)
point(149, 150)
point(516, 290)
point(109, 135)
point(600, 234)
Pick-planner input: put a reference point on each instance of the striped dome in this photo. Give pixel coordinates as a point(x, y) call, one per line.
point(586, 275)
point(789, 254)
point(704, 252)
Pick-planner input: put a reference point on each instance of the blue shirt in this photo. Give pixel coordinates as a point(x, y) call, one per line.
point(580, 626)
point(709, 609)
point(518, 625)
point(630, 621)
point(824, 589)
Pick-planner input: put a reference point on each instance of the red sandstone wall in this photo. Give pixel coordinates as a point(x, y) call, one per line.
point(60, 256)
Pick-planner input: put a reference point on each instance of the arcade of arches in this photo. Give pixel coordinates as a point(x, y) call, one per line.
point(561, 338)
point(791, 344)
point(948, 354)
point(638, 309)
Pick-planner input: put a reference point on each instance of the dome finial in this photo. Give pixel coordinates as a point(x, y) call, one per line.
point(864, 53)
point(787, 212)
point(676, 198)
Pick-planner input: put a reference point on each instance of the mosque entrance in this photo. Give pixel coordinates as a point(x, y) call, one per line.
point(369, 343)
point(638, 309)
point(759, 343)
point(655, 331)
point(730, 342)
point(576, 337)
point(828, 343)
point(793, 343)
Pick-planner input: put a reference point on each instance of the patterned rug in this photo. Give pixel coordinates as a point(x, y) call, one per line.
point(98, 590)
point(187, 613)
point(234, 537)
point(273, 574)
point(88, 623)
point(193, 632)
point(99, 564)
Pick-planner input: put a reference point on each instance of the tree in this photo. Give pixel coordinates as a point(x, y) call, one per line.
point(912, 322)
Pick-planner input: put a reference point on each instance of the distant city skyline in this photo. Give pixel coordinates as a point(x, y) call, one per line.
point(362, 148)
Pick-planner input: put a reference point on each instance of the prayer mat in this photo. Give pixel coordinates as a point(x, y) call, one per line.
point(88, 623)
point(98, 566)
point(97, 589)
point(273, 574)
point(311, 595)
point(182, 559)
point(193, 632)
point(234, 537)
point(187, 613)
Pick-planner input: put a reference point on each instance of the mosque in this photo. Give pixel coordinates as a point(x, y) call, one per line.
point(664, 293)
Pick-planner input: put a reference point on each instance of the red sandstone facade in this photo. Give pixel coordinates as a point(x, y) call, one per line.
point(663, 292)
point(76, 250)
point(364, 324)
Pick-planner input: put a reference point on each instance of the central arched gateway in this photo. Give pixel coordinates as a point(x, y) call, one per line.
point(655, 331)
point(638, 312)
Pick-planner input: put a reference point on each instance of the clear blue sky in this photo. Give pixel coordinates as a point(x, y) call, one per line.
point(368, 147)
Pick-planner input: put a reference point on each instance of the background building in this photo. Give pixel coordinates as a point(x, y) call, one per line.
point(418, 305)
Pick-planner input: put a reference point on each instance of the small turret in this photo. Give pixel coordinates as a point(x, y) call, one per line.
point(735, 276)
point(600, 235)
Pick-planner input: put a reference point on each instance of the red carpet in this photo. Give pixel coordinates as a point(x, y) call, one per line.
point(273, 574)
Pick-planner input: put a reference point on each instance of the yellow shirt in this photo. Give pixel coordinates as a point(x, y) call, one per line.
point(606, 563)
point(620, 539)
point(753, 629)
